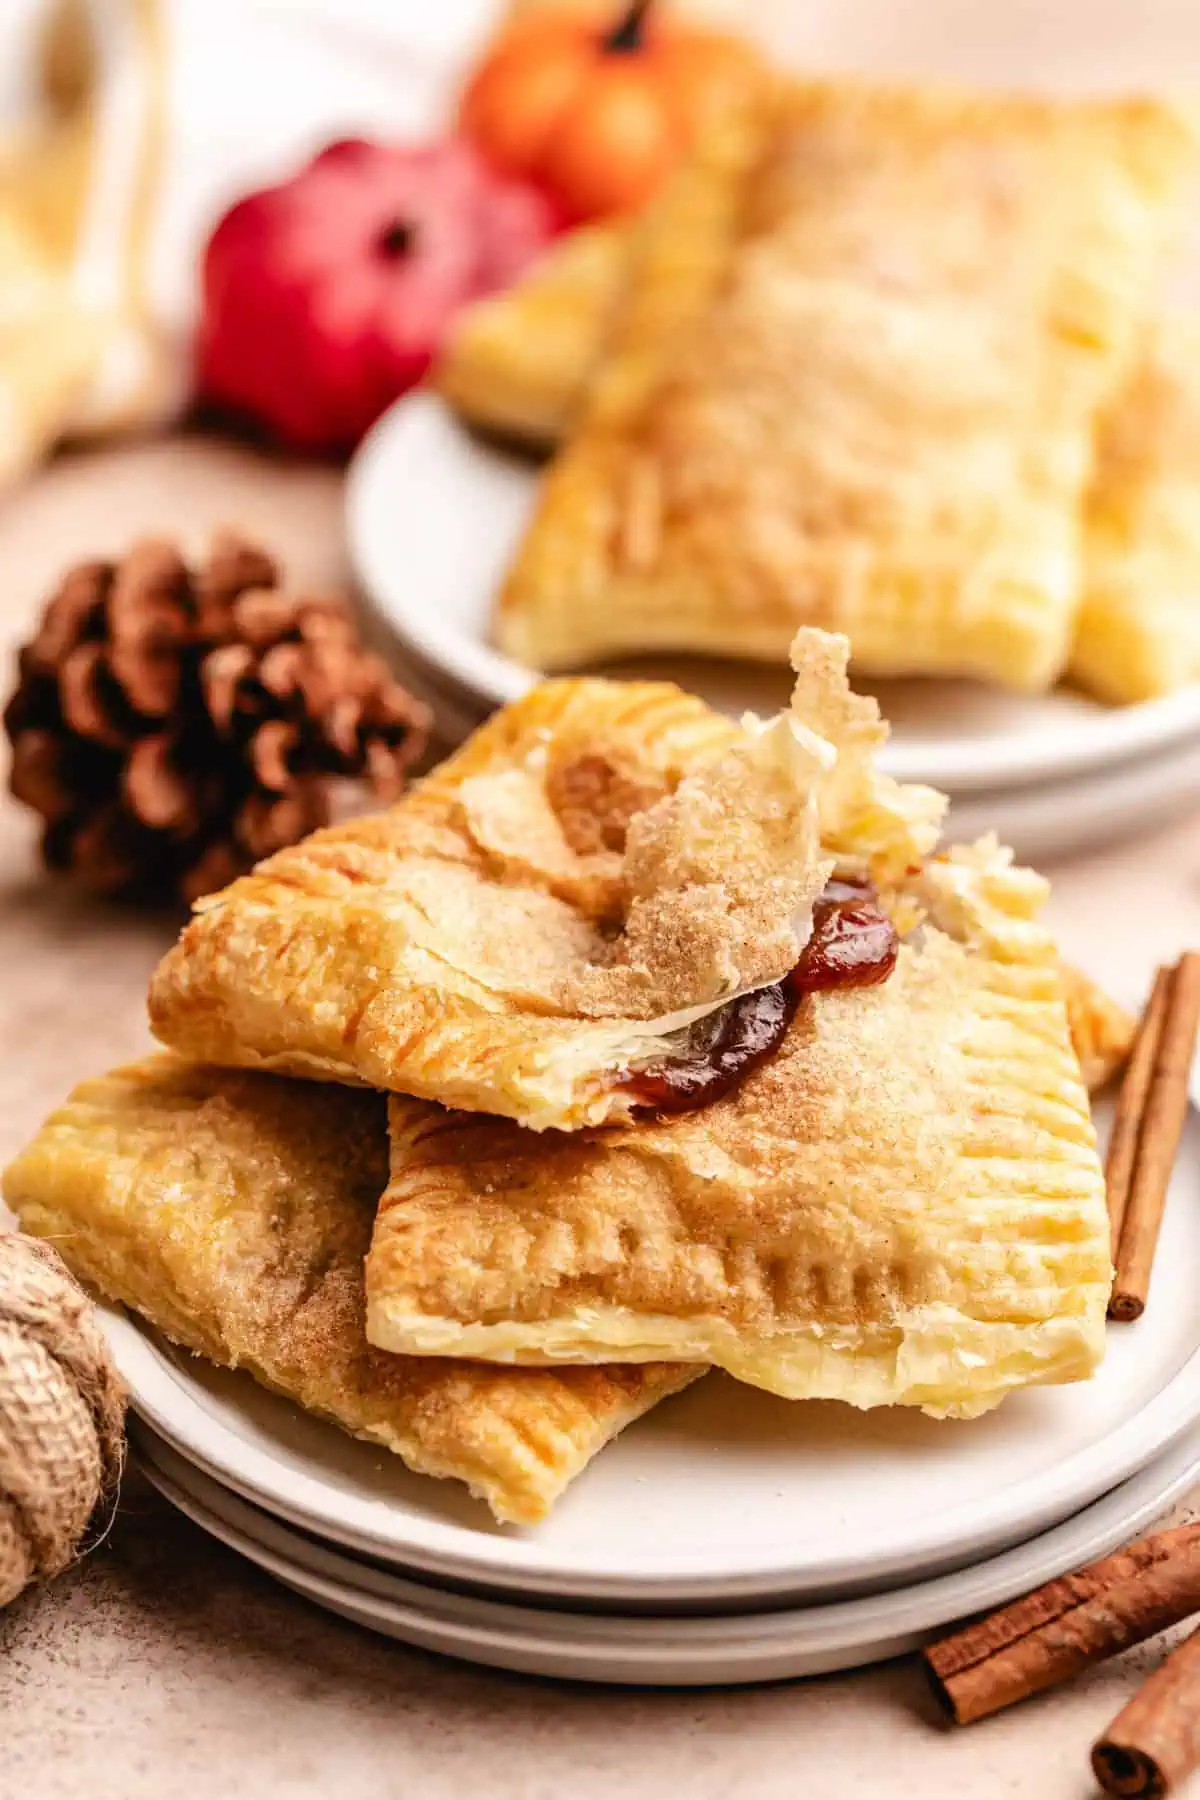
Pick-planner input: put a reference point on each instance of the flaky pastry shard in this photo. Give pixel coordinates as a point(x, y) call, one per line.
point(601, 865)
point(1138, 634)
point(1102, 1030)
point(233, 1212)
point(903, 1206)
point(968, 893)
point(854, 382)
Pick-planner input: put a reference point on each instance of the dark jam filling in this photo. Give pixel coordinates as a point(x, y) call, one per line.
point(853, 944)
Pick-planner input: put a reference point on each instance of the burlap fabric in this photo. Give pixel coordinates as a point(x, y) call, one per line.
point(61, 1416)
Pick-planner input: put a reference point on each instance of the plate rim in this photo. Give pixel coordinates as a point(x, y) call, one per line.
point(493, 679)
point(306, 1502)
point(323, 1572)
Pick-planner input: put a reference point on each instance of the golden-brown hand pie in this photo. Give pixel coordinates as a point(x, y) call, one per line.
point(520, 363)
point(854, 383)
point(233, 1211)
point(904, 1206)
point(599, 867)
point(1138, 633)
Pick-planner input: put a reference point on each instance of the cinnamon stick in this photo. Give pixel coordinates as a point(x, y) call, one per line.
point(1067, 1625)
point(1131, 1104)
point(1163, 1116)
point(1154, 1743)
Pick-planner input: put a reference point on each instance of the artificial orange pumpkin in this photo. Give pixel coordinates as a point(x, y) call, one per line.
point(598, 115)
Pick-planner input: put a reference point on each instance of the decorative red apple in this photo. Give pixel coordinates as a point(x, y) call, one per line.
point(329, 295)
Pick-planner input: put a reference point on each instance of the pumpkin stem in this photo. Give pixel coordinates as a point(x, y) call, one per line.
point(627, 36)
point(397, 239)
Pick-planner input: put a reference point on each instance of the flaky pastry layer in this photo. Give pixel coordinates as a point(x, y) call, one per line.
point(233, 1211)
point(853, 383)
point(903, 1206)
point(599, 865)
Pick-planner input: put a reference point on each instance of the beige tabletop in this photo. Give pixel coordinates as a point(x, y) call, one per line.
point(166, 1666)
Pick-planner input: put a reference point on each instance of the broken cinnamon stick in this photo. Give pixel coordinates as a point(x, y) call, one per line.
point(1067, 1625)
point(1154, 1743)
point(1131, 1104)
point(1163, 1115)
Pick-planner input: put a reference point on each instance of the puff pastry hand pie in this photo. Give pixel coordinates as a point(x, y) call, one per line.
point(233, 1211)
point(903, 1206)
point(854, 384)
point(1139, 627)
point(602, 865)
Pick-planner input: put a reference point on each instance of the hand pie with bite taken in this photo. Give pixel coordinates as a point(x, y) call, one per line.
point(600, 868)
point(233, 1212)
point(854, 383)
point(903, 1206)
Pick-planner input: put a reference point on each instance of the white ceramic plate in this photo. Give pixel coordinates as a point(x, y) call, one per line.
point(758, 1646)
point(724, 1494)
point(434, 515)
point(1065, 818)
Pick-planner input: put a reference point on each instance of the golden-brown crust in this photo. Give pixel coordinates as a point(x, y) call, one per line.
point(416, 948)
point(233, 1211)
point(1138, 633)
point(535, 917)
point(853, 384)
point(903, 1206)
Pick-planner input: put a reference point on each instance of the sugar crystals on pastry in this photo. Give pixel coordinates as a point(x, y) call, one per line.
point(600, 868)
point(903, 1206)
point(854, 382)
point(233, 1211)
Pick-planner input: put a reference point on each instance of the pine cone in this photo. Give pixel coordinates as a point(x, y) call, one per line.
point(172, 727)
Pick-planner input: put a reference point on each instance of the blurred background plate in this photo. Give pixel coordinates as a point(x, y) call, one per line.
point(434, 515)
point(1056, 819)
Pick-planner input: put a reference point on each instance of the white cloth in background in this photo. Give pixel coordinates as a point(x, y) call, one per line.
point(128, 126)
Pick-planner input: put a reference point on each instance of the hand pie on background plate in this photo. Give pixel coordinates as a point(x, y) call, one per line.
point(233, 1212)
point(903, 1206)
point(1139, 626)
point(600, 866)
point(854, 384)
point(520, 362)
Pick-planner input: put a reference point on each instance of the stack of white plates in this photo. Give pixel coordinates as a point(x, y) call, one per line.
point(434, 516)
point(729, 1536)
